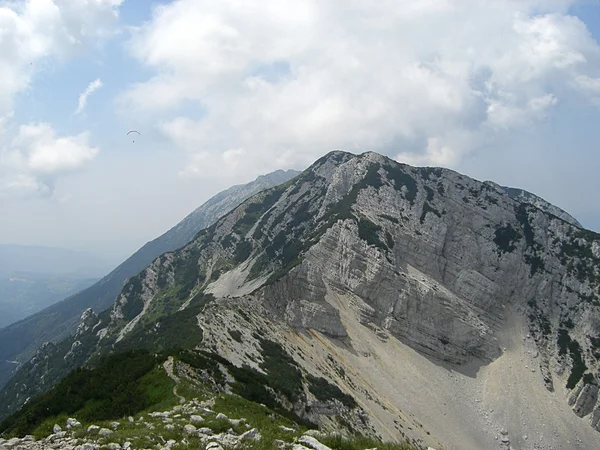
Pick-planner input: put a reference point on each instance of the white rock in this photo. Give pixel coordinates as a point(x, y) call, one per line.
point(130, 419)
point(189, 428)
point(311, 442)
point(169, 427)
point(213, 446)
point(55, 436)
point(221, 416)
point(73, 423)
point(56, 428)
point(113, 446)
point(205, 431)
point(93, 428)
point(286, 429)
point(314, 433)
point(252, 434)
point(104, 432)
point(12, 442)
point(127, 445)
point(87, 446)
point(196, 418)
point(114, 425)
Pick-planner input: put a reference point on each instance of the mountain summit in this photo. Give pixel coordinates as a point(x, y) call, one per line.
point(452, 312)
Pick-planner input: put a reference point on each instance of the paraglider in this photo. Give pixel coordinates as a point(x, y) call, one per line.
point(133, 131)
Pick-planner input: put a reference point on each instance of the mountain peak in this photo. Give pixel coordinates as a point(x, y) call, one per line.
point(405, 287)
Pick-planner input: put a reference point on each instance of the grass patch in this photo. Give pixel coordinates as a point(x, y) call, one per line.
point(120, 385)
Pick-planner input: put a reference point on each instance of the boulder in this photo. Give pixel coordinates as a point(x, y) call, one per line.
point(189, 428)
point(73, 423)
point(105, 432)
point(311, 442)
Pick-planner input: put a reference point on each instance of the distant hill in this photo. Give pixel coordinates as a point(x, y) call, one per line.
point(24, 294)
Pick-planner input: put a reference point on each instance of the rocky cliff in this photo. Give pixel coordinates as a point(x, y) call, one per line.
point(453, 312)
point(19, 341)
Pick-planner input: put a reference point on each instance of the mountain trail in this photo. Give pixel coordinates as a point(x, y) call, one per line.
point(169, 366)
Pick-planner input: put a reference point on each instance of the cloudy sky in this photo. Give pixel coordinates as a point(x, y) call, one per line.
point(224, 90)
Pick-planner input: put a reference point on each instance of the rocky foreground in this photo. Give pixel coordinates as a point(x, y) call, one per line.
point(190, 425)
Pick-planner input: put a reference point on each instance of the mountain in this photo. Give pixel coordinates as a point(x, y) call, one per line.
point(453, 315)
point(19, 341)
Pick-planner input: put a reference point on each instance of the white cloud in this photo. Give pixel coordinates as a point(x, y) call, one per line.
point(33, 30)
point(92, 87)
point(30, 32)
point(436, 77)
point(36, 158)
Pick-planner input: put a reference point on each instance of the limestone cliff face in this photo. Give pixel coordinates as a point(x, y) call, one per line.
point(379, 257)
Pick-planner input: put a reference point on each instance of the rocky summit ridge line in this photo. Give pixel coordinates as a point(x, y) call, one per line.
point(452, 312)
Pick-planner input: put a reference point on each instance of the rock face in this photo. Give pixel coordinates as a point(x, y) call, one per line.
point(19, 341)
point(446, 305)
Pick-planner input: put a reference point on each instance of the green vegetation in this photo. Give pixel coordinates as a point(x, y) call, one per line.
point(259, 266)
point(284, 374)
point(121, 385)
point(177, 330)
point(400, 179)
point(566, 343)
point(134, 304)
point(390, 218)
point(227, 241)
point(532, 255)
point(187, 271)
point(242, 251)
point(324, 391)
point(389, 240)
point(254, 386)
point(368, 231)
point(589, 378)
point(255, 210)
point(427, 208)
point(427, 172)
point(505, 239)
point(523, 218)
point(430, 193)
point(236, 335)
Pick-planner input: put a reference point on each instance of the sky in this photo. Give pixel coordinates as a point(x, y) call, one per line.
point(222, 91)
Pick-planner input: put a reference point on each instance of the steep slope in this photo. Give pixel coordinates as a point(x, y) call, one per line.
point(453, 313)
point(20, 340)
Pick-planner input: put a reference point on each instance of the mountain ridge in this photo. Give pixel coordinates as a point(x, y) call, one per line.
point(361, 262)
